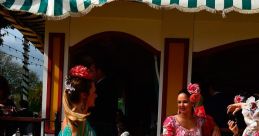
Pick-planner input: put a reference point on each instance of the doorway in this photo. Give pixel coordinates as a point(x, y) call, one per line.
point(226, 71)
point(134, 65)
point(231, 67)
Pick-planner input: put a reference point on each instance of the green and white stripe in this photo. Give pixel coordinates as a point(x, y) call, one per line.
point(62, 8)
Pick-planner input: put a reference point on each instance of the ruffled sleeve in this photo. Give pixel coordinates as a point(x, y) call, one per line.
point(250, 112)
point(256, 114)
point(168, 129)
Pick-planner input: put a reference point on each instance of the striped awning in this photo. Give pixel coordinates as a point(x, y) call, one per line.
point(30, 25)
point(58, 9)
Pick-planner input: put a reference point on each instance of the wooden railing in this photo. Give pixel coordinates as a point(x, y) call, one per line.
point(10, 124)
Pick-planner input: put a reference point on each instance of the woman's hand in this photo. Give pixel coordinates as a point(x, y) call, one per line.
point(216, 131)
point(233, 127)
point(233, 108)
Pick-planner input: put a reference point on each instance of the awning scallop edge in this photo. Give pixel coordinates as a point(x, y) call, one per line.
point(60, 9)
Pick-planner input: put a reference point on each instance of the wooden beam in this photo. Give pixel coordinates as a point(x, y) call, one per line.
point(26, 31)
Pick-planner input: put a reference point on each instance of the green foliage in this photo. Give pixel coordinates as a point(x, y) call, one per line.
point(35, 97)
point(12, 71)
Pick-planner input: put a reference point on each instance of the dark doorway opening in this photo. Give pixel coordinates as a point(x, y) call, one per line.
point(134, 65)
point(229, 70)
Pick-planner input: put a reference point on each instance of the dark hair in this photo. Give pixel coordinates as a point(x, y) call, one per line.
point(80, 85)
point(184, 91)
point(4, 87)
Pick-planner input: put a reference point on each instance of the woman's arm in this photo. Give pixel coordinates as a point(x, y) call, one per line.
point(233, 108)
point(233, 127)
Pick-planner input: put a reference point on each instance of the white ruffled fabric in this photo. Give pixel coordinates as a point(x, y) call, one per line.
point(251, 117)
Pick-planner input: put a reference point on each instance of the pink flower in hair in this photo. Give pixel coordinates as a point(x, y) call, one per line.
point(80, 71)
point(238, 98)
point(193, 88)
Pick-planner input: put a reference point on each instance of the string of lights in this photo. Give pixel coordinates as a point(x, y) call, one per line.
point(16, 37)
point(29, 63)
point(7, 32)
point(33, 57)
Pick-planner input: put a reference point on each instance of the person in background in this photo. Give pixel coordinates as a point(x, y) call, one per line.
point(7, 108)
point(78, 97)
point(215, 105)
point(103, 117)
point(250, 111)
point(24, 127)
point(121, 124)
point(5, 93)
point(190, 121)
point(24, 110)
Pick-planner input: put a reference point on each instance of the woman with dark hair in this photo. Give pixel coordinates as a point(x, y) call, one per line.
point(78, 97)
point(191, 118)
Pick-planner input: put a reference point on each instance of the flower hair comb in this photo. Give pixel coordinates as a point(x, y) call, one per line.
point(194, 90)
point(80, 71)
point(77, 71)
point(238, 99)
point(195, 98)
point(69, 88)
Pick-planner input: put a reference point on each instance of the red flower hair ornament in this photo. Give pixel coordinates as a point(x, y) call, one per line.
point(238, 99)
point(81, 71)
point(195, 98)
point(77, 71)
point(194, 90)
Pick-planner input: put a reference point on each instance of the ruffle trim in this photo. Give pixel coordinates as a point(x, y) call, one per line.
point(78, 14)
point(158, 7)
point(166, 7)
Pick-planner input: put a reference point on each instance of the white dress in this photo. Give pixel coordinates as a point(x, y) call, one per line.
point(251, 116)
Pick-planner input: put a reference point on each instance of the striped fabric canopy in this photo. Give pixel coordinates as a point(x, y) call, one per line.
point(58, 9)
